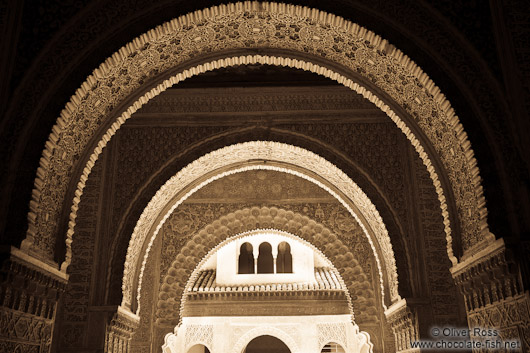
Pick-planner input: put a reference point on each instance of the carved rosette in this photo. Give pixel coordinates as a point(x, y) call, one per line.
point(404, 323)
point(494, 293)
point(120, 331)
point(29, 291)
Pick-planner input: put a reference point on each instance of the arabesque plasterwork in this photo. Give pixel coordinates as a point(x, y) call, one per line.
point(253, 25)
point(286, 223)
point(265, 153)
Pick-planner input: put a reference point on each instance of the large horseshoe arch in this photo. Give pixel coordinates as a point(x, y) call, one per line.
point(360, 61)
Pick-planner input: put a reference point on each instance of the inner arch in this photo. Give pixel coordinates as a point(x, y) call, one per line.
point(263, 154)
point(320, 258)
point(452, 145)
point(266, 344)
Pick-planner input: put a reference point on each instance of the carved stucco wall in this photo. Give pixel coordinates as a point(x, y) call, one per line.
point(176, 248)
point(416, 94)
point(144, 339)
point(139, 157)
point(382, 159)
point(441, 289)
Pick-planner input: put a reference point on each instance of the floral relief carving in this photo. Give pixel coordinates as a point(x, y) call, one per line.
point(274, 26)
point(271, 151)
point(188, 258)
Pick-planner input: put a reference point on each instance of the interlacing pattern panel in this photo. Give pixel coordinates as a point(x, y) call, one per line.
point(332, 333)
point(199, 334)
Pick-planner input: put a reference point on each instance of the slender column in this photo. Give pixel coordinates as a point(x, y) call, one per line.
point(274, 257)
point(255, 253)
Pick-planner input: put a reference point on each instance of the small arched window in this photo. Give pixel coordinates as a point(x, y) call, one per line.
point(246, 259)
point(199, 348)
point(332, 347)
point(265, 262)
point(284, 261)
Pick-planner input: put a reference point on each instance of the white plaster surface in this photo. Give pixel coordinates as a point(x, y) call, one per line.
point(302, 334)
point(303, 262)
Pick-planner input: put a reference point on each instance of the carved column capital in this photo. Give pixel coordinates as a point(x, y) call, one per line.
point(29, 291)
point(120, 330)
point(489, 276)
point(494, 293)
point(404, 322)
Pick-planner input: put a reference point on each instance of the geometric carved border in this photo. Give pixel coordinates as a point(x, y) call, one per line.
point(335, 332)
point(199, 334)
point(254, 25)
point(294, 161)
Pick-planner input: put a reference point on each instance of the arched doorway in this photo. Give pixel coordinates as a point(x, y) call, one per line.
point(198, 348)
point(257, 30)
point(266, 344)
point(332, 347)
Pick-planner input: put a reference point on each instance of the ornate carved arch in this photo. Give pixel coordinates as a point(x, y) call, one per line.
point(183, 271)
point(180, 160)
point(266, 330)
point(374, 60)
point(262, 155)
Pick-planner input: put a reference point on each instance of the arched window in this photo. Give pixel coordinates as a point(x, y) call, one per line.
point(199, 348)
point(265, 264)
point(284, 261)
point(266, 343)
point(246, 259)
point(332, 347)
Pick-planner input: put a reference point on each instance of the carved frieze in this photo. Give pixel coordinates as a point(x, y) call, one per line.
point(494, 293)
point(29, 292)
point(259, 100)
